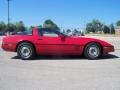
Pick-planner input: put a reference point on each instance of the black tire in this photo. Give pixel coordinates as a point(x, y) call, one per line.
point(92, 51)
point(26, 51)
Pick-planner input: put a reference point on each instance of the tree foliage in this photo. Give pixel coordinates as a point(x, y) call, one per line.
point(2, 26)
point(118, 23)
point(94, 26)
point(75, 32)
point(20, 26)
point(13, 27)
point(112, 29)
point(50, 24)
point(106, 29)
point(89, 28)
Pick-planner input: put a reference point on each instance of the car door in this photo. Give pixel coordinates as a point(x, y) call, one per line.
point(71, 46)
point(49, 42)
point(52, 42)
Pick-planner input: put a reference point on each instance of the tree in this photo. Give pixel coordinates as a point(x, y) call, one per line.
point(112, 29)
point(97, 25)
point(20, 26)
point(89, 28)
point(106, 29)
point(11, 27)
point(40, 26)
point(50, 24)
point(75, 32)
point(68, 31)
point(2, 26)
point(94, 26)
point(118, 23)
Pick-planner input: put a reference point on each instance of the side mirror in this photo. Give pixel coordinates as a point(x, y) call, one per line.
point(62, 37)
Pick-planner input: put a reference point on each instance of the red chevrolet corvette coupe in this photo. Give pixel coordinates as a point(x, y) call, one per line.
point(43, 41)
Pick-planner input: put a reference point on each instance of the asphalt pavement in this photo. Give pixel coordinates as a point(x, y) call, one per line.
point(61, 73)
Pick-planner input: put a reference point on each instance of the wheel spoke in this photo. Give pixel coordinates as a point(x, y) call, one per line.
point(93, 51)
point(25, 51)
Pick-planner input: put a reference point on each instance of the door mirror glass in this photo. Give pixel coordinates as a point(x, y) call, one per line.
point(62, 37)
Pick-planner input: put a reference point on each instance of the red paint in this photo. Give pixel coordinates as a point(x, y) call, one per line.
point(53, 45)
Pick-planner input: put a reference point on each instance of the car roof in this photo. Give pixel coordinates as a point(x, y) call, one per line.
point(47, 29)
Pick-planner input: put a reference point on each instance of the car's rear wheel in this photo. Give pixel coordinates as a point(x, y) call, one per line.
point(92, 51)
point(26, 51)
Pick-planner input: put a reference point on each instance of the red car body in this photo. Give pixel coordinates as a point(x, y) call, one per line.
point(46, 45)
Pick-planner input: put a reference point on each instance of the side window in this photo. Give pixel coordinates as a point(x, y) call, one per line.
point(48, 33)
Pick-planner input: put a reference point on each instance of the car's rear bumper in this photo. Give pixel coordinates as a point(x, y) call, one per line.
point(108, 49)
point(8, 47)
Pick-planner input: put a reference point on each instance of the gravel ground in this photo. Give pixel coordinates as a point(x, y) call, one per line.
point(56, 73)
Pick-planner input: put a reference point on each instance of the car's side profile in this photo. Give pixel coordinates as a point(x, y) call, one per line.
point(43, 41)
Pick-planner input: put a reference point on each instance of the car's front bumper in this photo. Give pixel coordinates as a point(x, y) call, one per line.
point(108, 49)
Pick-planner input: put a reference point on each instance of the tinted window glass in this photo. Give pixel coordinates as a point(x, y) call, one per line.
point(26, 32)
point(47, 32)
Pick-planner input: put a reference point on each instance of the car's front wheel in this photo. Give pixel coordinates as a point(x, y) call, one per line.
point(92, 51)
point(26, 51)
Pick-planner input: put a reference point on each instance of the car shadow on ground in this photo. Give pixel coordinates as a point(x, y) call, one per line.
point(105, 57)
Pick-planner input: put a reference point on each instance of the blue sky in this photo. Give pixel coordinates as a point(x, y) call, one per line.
point(65, 13)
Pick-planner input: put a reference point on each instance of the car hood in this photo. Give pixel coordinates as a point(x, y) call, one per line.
point(85, 39)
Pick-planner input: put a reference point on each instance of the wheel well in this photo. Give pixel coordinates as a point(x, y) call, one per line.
point(26, 42)
point(95, 43)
